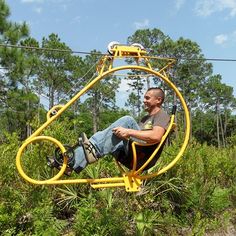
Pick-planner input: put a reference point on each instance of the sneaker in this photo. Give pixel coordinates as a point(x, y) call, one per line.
point(89, 150)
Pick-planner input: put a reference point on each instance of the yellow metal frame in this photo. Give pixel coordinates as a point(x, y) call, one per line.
point(132, 179)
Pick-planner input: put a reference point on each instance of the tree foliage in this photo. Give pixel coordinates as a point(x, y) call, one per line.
point(55, 75)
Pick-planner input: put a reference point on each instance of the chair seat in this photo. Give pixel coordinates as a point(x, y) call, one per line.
point(143, 154)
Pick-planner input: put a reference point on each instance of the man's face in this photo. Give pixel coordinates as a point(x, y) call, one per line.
point(150, 101)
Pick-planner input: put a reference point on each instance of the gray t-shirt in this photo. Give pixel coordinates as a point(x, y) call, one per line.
point(161, 118)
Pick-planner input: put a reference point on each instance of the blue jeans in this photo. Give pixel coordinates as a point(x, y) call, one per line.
point(105, 142)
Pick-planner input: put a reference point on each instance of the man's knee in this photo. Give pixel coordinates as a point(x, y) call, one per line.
point(127, 119)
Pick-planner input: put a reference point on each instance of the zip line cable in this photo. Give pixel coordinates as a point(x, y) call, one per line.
point(101, 54)
point(46, 49)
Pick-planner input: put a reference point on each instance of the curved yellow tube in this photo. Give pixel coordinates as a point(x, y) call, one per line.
point(54, 110)
point(30, 141)
point(129, 177)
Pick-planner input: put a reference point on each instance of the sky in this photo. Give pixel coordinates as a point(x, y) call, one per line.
point(85, 25)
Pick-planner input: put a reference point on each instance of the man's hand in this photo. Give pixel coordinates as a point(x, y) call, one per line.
point(121, 132)
point(150, 136)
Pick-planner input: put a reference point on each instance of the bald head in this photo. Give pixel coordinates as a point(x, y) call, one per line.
point(157, 92)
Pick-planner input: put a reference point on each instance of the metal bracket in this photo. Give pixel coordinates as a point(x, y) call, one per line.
point(132, 183)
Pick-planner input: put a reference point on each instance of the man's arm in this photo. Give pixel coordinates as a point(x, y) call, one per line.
point(149, 136)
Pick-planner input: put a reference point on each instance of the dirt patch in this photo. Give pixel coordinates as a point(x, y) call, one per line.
point(230, 231)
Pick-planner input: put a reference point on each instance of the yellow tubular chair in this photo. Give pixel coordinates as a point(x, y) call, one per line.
point(131, 179)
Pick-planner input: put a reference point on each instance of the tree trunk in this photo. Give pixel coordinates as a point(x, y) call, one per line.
point(28, 130)
point(222, 131)
point(225, 127)
point(217, 124)
point(51, 97)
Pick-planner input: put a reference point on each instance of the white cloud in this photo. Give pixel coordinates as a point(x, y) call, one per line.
point(32, 1)
point(38, 10)
point(208, 7)
point(64, 7)
point(225, 39)
point(233, 37)
point(141, 25)
point(221, 39)
point(76, 20)
point(179, 4)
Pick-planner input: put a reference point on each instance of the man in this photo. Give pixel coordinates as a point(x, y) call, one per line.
point(115, 139)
